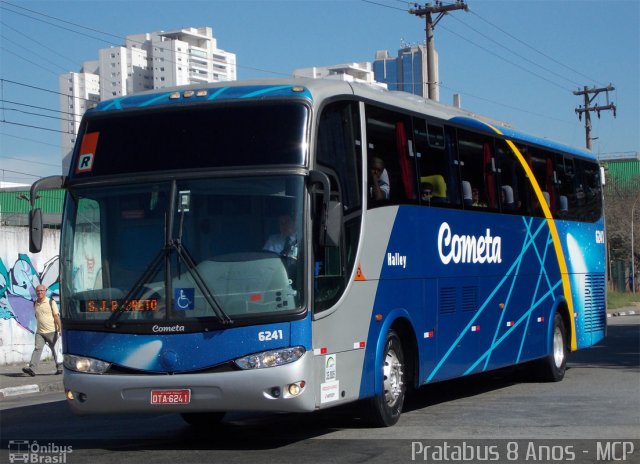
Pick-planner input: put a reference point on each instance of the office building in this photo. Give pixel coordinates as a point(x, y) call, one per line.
point(407, 71)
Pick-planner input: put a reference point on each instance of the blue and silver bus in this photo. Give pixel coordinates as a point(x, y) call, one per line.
point(417, 243)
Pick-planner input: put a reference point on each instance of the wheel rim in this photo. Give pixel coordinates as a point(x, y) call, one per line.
point(558, 347)
point(392, 371)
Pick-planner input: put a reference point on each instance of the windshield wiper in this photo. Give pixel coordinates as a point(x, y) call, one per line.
point(152, 271)
point(186, 258)
point(148, 275)
point(165, 255)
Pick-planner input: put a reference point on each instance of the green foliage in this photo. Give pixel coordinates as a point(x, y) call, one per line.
point(616, 300)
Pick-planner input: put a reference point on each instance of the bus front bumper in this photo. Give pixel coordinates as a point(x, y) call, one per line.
point(266, 389)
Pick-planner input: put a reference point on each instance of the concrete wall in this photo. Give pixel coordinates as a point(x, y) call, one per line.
point(20, 273)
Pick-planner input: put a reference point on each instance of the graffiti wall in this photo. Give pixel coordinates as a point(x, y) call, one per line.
point(20, 273)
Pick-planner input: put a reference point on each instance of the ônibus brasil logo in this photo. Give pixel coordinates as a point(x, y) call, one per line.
point(34, 452)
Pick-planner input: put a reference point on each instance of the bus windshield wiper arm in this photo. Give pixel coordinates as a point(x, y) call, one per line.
point(152, 271)
point(185, 256)
point(146, 276)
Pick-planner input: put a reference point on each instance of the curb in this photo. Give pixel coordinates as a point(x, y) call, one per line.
point(624, 313)
point(31, 388)
point(21, 390)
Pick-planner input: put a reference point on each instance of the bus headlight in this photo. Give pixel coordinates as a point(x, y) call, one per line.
point(270, 358)
point(85, 365)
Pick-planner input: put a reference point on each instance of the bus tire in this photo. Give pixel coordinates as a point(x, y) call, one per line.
point(553, 367)
point(203, 419)
point(385, 409)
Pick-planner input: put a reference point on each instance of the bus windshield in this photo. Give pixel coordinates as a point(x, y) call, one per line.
point(225, 249)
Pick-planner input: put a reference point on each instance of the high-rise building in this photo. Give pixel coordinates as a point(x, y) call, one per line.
point(79, 91)
point(406, 72)
point(146, 61)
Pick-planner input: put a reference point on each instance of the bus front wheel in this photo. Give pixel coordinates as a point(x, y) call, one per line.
point(385, 408)
point(552, 368)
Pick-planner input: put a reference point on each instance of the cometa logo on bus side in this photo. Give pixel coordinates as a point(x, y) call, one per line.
point(468, 248)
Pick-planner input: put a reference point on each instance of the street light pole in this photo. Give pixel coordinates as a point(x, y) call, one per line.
point(633, 261)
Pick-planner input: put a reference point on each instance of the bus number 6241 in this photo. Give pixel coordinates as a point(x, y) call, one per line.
point(268, 335)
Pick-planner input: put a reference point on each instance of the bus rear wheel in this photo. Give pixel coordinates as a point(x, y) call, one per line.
point(385, 408)
point(553, 367)
point(203, 419)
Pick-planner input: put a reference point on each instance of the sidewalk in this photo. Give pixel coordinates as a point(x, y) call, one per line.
point(14, 382)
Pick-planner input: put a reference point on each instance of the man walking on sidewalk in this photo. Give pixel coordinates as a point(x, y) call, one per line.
point(48, 329)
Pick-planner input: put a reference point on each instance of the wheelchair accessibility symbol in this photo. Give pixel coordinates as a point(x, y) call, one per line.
point(183, 299)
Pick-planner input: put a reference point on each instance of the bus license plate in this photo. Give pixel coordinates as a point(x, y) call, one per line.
point(170, 396)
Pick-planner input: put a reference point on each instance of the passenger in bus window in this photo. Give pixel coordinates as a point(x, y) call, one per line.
point(427, 192)
point(475, 195)
point(285, 242)
point(380, 188)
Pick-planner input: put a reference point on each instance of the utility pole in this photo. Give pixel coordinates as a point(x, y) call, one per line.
point(587, 108)
point(425, 12)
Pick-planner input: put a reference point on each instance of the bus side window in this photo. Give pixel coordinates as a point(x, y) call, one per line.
point(477, 170)
point(390, 164)
point(513, 185)
point(542, 166)
point(433, 164)
point(588, 191)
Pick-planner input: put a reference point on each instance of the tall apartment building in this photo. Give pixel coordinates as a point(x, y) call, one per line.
point(406, 72)
point(146, 61)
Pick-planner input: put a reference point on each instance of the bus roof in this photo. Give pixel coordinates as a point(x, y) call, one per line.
point(317, 90)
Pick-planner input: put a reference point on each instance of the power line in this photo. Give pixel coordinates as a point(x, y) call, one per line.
point(29, 161)
point(29, 61)
point(42, 89)
point(532, 48)
point(125, 39)
point(37, 42)
point(52, 24)
point(30, 113)
point(506, 60)
point(515, 53)
point(3, 134)
point(547, 117)
point(386, 6)
point(32, 52)
point(18, 172)
point(39, 107)
point(34, 127)
point(58, 19)
point(453, 5)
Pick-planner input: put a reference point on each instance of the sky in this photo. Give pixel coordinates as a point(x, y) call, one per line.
point(517, 61)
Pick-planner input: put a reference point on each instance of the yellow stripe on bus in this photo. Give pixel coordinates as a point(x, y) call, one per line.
point(564, 273)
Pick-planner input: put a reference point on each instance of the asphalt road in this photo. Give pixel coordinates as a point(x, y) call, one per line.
point(591, 416)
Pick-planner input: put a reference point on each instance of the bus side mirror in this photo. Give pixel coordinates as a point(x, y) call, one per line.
point(35, 214)
point(35, 230)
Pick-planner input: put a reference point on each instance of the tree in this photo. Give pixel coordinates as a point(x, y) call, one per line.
point(620, 203)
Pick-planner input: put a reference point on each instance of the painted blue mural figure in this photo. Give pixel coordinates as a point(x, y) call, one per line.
point(18, 289)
